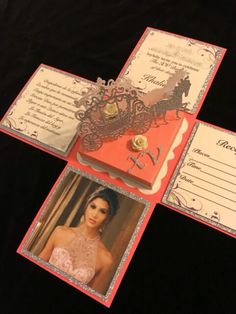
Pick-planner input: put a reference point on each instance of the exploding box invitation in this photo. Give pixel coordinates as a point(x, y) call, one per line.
point(129, 144)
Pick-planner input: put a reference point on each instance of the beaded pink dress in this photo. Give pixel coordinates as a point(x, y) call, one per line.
point(77, 258)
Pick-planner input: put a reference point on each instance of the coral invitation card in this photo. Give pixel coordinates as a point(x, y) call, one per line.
point(129, 144)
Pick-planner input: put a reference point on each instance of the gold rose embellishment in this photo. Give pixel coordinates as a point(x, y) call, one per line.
point(139, 142)
point(111, 110)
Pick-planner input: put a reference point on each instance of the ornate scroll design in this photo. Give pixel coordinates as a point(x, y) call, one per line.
point(113, 108)
point(187, 201)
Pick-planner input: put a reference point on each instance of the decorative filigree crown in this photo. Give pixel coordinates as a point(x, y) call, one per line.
point(107, 111)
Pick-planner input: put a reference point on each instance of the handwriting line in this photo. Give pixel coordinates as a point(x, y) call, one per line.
point(223, 163)
point(202, 163)
point(214, 193)
point(217, 177)
point(207, 199)
point(191, 175)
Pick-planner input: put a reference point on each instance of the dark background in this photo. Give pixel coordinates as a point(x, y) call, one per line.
point(180, 266)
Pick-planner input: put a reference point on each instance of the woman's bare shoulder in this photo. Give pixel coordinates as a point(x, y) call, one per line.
point(61, 229)
point(63, 232)
point(105, 255)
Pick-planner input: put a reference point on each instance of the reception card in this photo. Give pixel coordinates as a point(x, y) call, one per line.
point(204, 183)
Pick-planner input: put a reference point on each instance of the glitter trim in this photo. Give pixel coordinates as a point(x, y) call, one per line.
point(33, 140)
point(151, 31)
point(176, 173)
point(126, 254)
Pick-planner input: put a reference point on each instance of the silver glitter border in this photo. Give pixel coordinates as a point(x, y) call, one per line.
point(32, 140)
point(53, 269)
point(176, 173)
point(208, 77)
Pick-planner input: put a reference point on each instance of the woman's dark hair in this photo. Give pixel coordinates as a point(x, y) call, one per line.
point(108, 195)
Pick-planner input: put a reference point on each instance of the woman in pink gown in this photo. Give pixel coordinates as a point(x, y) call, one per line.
point(79, 251)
